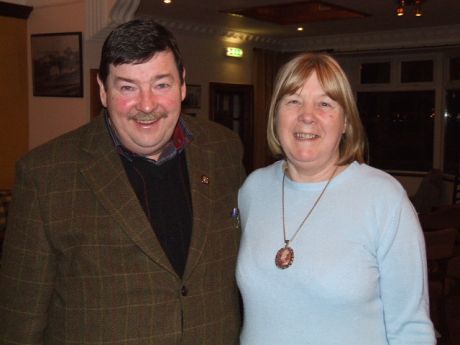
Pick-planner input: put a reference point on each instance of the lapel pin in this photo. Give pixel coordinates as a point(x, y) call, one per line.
point(204, 179)
point(236, 217)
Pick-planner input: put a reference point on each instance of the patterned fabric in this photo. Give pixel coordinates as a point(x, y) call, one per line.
point(82, 265)
point(5, 199)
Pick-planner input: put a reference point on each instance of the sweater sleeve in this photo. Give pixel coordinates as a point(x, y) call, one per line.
point(403, 278)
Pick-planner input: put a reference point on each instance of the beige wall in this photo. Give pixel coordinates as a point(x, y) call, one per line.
point(52, 116)
point(205, 62)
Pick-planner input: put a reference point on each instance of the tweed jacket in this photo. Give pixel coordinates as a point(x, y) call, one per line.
point(82, 264)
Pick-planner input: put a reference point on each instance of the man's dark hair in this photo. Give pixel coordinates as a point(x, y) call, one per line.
point(136, 42)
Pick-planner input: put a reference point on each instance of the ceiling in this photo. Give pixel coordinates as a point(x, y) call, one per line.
point(377, 15)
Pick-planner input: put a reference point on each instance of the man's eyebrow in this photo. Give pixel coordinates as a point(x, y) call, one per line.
point(129, 80)
point(165, 75)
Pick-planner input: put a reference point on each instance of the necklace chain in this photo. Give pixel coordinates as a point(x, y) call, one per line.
point(286, 241)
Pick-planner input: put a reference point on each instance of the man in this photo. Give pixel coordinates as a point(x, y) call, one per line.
point(121, 232)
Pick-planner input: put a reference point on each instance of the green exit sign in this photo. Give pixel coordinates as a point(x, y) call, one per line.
point(234, 52)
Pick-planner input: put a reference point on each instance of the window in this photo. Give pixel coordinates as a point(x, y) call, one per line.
point(454, 68)
point(373, 73)
point(399, 127)
point(416, 71)
point(452, 132)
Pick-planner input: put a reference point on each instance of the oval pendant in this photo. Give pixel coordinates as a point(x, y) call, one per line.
point(284, 257)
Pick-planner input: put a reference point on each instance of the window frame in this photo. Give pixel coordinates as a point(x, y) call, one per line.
point(351, 63)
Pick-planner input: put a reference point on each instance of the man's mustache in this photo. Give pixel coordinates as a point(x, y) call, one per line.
point(149, 117)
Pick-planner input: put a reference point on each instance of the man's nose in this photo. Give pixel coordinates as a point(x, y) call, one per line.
point(147, 101)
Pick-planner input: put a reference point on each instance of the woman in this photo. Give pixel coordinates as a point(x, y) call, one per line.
point(332, 251)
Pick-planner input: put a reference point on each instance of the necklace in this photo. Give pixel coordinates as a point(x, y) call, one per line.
point(285, 256)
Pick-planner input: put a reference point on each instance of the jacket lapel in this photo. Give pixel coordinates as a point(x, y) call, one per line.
point(106, 176)
point(200, 169)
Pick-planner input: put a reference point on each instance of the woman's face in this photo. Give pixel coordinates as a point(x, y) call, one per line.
point(309, 127)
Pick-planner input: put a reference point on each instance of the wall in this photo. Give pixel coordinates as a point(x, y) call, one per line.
point(205, 62)
point(51, 116)
point(13, 96)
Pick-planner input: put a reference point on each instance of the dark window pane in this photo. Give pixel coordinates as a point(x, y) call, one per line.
point(452, 133)
point(399, 126)
point(372, 73)
point(416, 71)
point(454, 68)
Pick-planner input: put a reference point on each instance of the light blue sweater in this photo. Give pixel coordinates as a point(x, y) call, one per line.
point(359, 273)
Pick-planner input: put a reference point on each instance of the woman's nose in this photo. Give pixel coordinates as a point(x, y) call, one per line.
point(306, 113)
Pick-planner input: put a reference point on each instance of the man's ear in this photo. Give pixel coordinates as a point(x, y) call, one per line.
point(183, 88)
point(102, 92)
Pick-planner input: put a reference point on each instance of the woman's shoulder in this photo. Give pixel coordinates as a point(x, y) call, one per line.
point(263, 176)
point(374, 179)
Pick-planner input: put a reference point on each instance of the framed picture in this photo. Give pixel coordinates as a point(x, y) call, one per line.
point(193, 98)
point(57, 64)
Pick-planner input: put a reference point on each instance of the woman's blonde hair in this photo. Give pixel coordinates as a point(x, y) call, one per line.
point(335, 84)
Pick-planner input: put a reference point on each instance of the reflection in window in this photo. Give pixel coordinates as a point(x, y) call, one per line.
point(399, 127)
point(416, 71)
point(372, 73)
point(452, 132)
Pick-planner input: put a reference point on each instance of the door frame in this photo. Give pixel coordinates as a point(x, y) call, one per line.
point(248, 110)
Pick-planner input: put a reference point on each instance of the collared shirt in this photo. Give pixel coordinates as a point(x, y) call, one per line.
point(181, 137)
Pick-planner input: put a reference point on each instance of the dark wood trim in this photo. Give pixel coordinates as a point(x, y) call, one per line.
point(406, 173)
point(445, 176)
point(13, 10)
point(247, 91)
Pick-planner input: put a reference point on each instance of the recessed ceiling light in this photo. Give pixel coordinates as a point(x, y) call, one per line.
point(300, 28)
point(167, 1)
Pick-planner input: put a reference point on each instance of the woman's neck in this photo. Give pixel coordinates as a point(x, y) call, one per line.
point(305, 175)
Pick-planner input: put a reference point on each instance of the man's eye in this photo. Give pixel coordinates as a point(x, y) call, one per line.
point(127, 88)
point(162, 86)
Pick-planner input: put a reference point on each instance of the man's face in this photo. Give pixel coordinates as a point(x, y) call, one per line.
point(144, 103)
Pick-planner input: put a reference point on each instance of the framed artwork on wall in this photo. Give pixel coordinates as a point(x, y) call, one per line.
point(57, 64)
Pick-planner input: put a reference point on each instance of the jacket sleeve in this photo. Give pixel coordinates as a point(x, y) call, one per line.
point(27, 266)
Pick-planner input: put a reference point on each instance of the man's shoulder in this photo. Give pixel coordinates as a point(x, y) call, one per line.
point(206, 130)
point(65, 145)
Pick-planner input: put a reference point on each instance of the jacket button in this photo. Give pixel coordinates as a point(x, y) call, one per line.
point(184, 291)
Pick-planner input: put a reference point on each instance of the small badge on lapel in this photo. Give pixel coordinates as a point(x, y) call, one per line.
point(204, 179)
point(236, 217)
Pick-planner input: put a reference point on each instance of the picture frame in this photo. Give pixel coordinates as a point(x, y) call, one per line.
point(193, 98)
point(57, 64)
